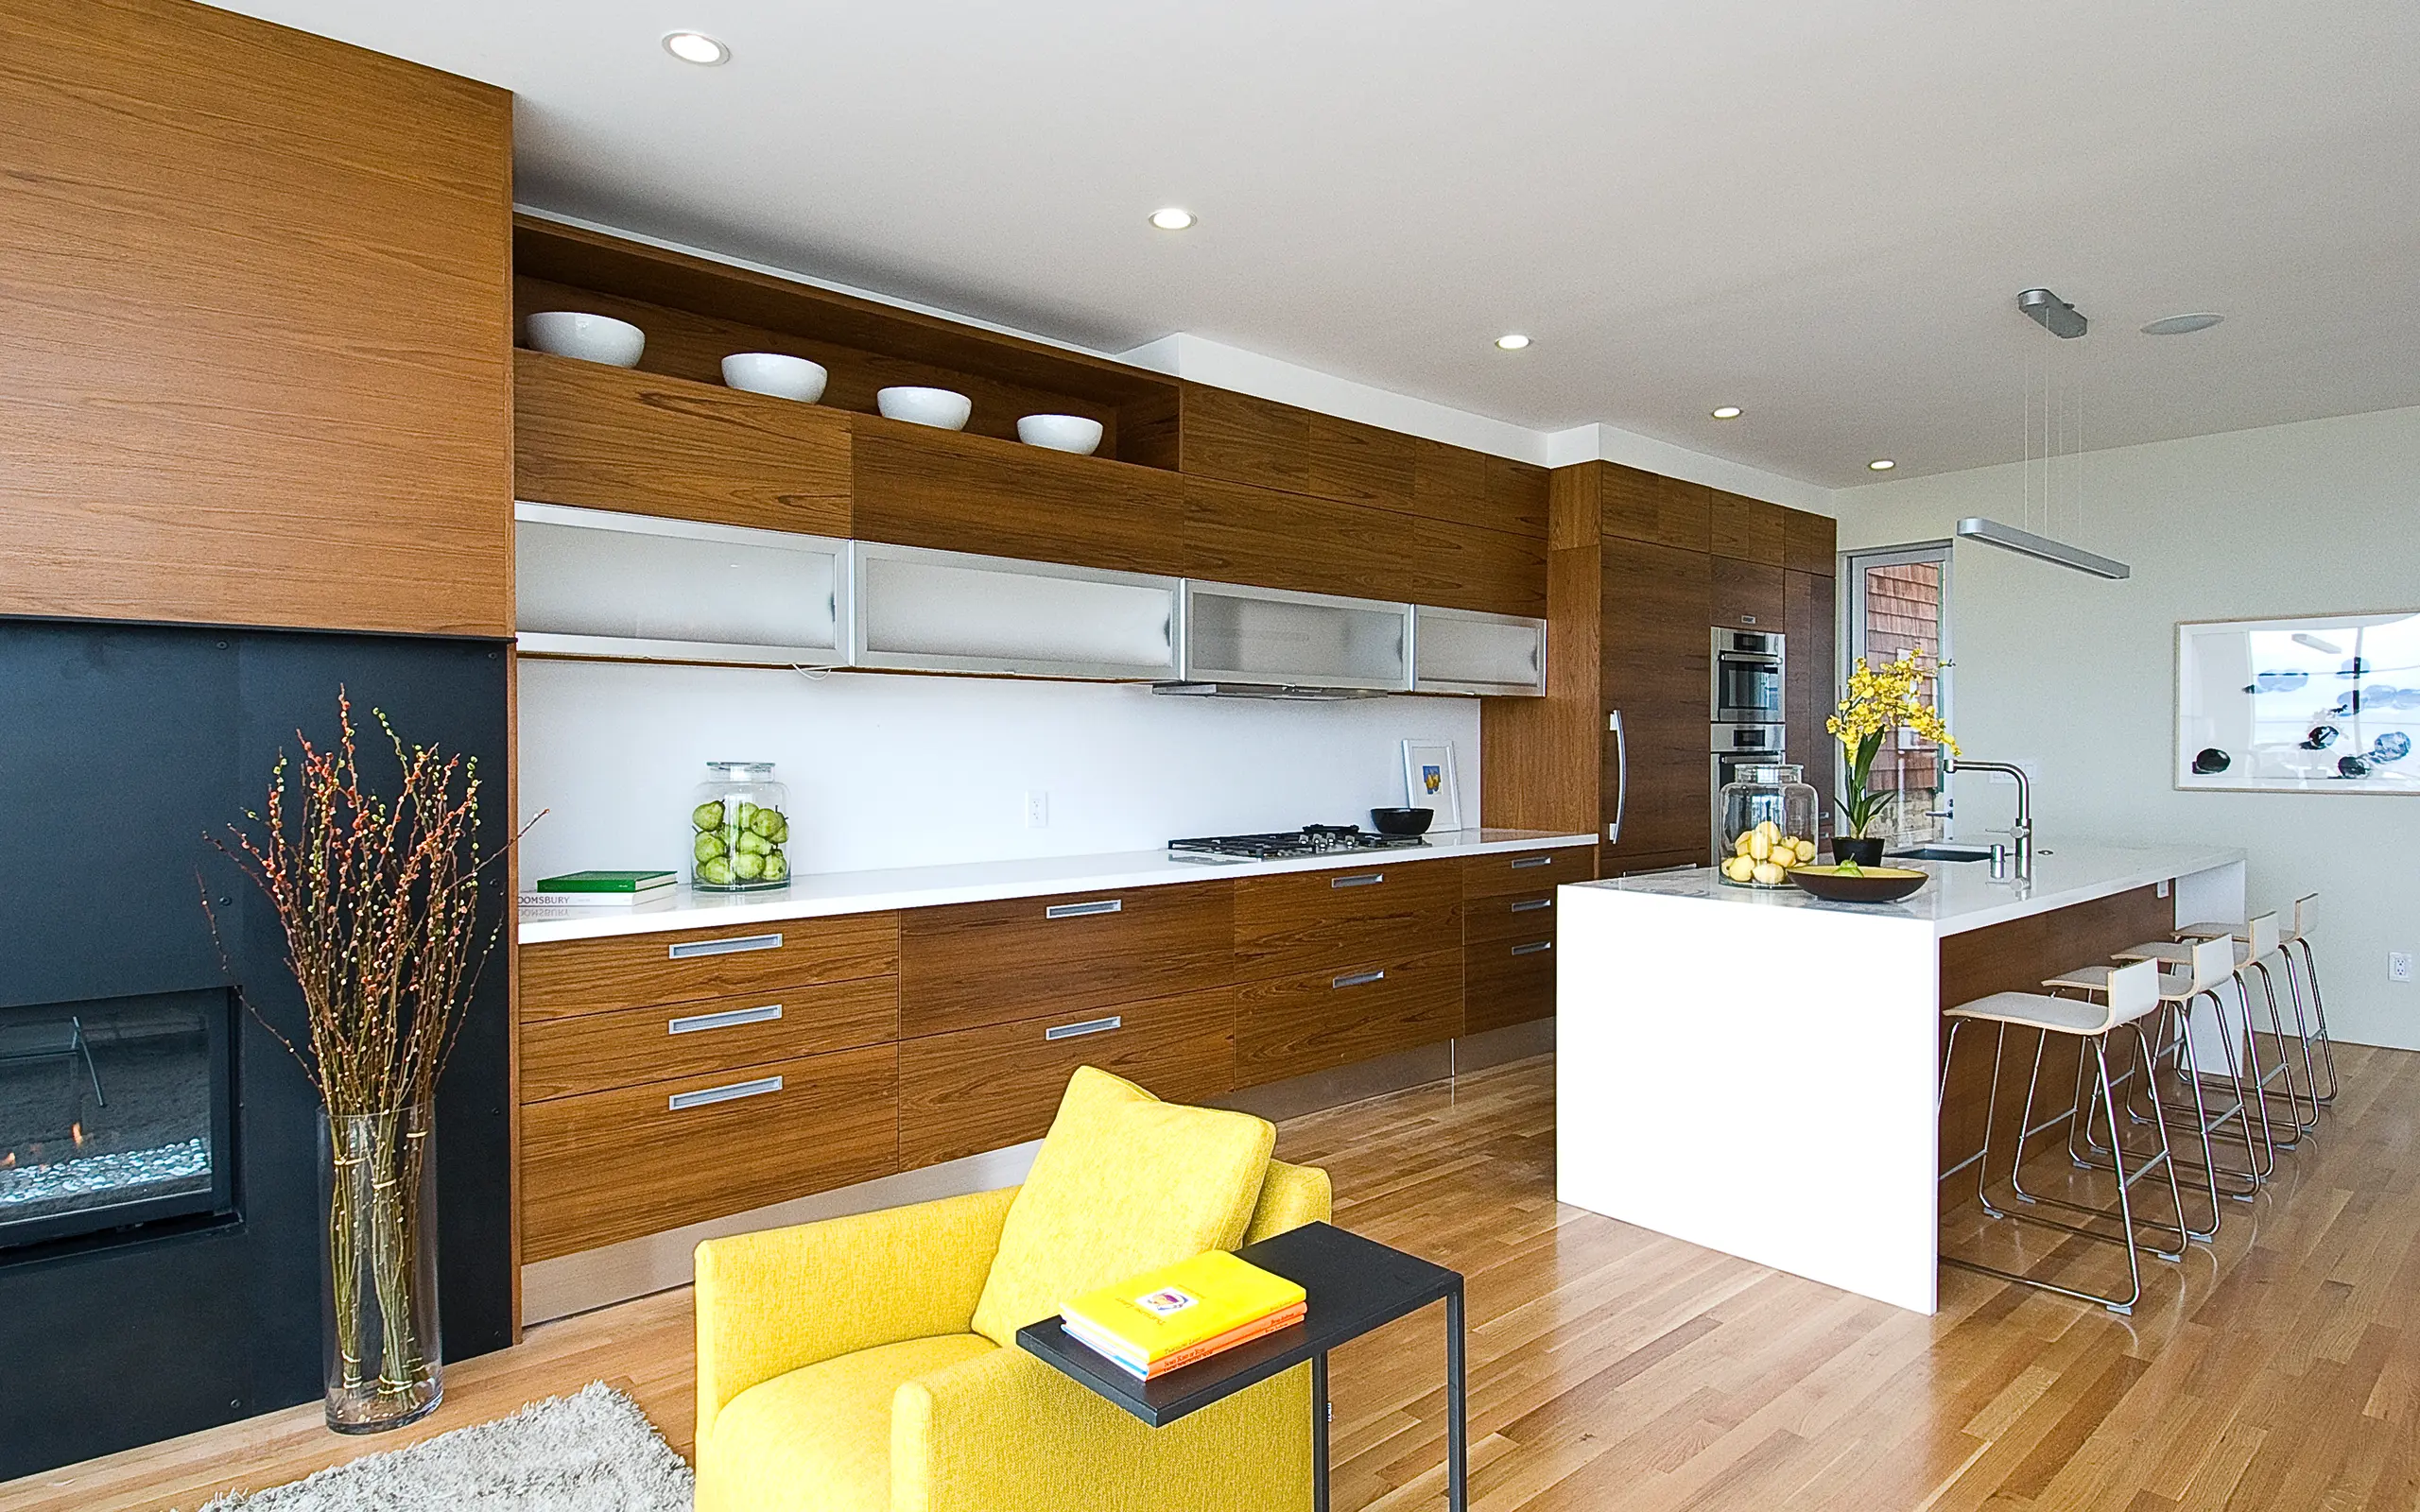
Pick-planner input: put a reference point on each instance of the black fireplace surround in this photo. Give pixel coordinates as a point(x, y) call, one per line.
point(195, 1300)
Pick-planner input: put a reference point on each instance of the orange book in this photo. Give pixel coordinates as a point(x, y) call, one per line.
point(1242, 1333)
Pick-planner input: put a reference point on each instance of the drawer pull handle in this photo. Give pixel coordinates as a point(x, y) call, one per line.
point(1524, 862)
point(1076, 1031)
point(1106, 906)
point(680, 1102)
point(1359, 979)
point(727, 1019)
point(691, 949)
point(1530, 905)
point(1367, 879)
point(1533, 947)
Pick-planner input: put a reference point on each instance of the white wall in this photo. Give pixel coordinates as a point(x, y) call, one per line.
point(903, 771)
point(2078, 673)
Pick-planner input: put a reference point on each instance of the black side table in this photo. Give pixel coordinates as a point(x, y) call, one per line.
point(1353, 1285)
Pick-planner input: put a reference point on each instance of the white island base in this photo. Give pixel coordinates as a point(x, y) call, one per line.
point(1756, 1072)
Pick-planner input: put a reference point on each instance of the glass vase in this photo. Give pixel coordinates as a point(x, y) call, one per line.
point(379, 1293)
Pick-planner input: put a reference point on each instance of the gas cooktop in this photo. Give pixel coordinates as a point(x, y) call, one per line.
point(1310, 840)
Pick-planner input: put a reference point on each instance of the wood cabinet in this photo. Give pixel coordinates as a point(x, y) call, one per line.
point(975, 964)
point(1746, 529)
point(1813, 683)
point(257, 308)
point(638, 442)
point(1811, 542)
point(984, 1089)
point(1347, 921)
point(614, 1165)
point(1635, 505)
point(564, 978)
point(1508, 907)
point(1266, 538)
point(1657, 659)
point(1746, 594)
point(1331, 1015)
point(598, 1052)
point(917, 486)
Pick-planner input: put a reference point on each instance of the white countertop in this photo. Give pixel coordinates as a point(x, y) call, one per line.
point(866, 892)
point(1962, 895)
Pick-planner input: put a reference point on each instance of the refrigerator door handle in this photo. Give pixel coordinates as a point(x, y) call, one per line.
point(1621, 776)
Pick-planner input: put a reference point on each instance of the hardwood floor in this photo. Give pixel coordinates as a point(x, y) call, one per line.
point(1613, 1366)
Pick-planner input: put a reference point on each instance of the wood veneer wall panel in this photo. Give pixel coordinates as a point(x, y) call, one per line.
point(917, 486)
point(2016, 957)
point(687, 344)
point(617, 439)
point(256, 310)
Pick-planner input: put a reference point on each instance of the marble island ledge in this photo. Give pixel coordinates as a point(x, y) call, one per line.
point(1962, 895)
point(826, 894)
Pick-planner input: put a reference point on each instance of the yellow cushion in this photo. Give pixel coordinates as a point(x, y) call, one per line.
point(1124, 1183)
point(818, 1437)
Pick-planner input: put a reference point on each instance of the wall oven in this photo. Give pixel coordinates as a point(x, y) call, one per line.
point(1747, 677)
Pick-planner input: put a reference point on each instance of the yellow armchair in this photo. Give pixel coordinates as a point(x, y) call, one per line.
point(837, 1371)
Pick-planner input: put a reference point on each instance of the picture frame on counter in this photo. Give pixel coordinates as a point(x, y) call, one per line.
point(2318, 704)
point(1428, 782)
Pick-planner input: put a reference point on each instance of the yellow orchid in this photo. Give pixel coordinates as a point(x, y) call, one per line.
point(1876, 703)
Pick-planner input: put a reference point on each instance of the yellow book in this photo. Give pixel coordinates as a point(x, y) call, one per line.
point(1178, 1306)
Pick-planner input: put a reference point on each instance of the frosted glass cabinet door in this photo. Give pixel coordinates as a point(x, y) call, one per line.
point(1456, 650)
point(1271, 636)
point(949, 611)
point(592, 582)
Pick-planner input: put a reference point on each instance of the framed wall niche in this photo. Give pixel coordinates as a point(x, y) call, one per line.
point(2326, 703)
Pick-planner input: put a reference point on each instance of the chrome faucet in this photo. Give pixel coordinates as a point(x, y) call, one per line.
point(2022, 831)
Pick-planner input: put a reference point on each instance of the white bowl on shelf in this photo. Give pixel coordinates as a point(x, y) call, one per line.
point(1060, 432)
point(777, 374)
point(589, 337)
point(941, 408)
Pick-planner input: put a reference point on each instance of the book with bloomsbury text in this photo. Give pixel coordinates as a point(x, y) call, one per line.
point(600, 889)
point(1172, 1317)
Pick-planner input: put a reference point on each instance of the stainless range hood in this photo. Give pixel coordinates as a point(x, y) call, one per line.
point(1264, 690)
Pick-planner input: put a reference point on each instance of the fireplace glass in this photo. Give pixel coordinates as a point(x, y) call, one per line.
point(113, 1113)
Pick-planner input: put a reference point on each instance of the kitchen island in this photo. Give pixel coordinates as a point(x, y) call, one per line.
point(1755, 1071)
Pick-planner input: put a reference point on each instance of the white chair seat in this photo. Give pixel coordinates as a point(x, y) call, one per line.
point(2208, 930)
point(2173, 987)
point(2032, 1010)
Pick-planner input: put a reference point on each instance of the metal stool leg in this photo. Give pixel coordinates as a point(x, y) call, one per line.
point(2319, 1014)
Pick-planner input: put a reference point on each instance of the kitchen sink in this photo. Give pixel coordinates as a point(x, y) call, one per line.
point(1940, 852)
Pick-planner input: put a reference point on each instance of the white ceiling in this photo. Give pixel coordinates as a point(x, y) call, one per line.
point(1820, 212)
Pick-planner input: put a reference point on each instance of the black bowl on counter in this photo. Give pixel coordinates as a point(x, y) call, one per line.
point(1873, 885)
point(1402, 821)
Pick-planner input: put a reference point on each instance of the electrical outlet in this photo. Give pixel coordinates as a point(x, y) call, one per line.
point(2398, 966)
point(1037, 810)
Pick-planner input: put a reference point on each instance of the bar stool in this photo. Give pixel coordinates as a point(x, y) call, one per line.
point(2132, 994)
point(2305, 914)
point(2252, 953)
point(2211, 964)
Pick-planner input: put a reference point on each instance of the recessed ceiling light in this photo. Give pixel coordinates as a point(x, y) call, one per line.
point(1725, 412)
point(1511, 341)
point(1881, 464)
point(696, 47)
point(1172, 218)
point(2178, 325)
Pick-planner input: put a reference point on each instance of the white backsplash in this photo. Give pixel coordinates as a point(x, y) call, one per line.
point(905, 771)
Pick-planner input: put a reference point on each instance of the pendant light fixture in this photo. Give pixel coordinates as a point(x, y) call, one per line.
point(2065, 324)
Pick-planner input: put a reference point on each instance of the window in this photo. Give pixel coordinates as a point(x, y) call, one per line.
point(1898, 601)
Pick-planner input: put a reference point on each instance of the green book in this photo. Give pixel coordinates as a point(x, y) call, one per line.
point(604, 881)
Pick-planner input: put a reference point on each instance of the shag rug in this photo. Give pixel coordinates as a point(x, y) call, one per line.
point(591, 1451)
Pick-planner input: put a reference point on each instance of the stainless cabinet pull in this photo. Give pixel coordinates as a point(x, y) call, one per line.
point(1530, 905)
point(691, 949)
point(1076, 1031)
point(681, 1101)
point(1106, 906)
point(1533, 947)
point(1367, 879)
point(1359, 979)
point(1524, 862)
point(727, 1019)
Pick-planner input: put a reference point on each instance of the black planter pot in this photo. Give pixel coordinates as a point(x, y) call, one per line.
point(1865, 852)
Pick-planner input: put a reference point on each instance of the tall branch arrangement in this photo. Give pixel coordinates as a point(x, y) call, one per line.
point(1877, 704)
point(379, 898)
